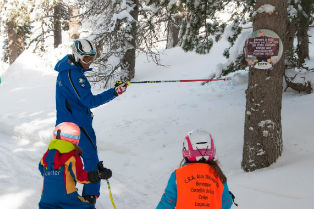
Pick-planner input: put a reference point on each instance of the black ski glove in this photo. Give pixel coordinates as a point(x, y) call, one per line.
point(104, 173)
point(93, 176)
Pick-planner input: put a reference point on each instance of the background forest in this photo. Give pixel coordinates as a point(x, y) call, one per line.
point(122, 29)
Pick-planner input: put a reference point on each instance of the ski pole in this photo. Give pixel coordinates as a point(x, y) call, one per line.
point(110, 194)
point(100, 167)
point(172, 81)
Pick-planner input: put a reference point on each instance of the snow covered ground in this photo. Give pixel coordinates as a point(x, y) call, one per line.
point(140, 133)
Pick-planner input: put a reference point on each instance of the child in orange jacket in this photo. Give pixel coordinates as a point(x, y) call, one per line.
point(199, 182)
point(61, 167)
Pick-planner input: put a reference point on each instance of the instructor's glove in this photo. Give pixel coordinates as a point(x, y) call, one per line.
point(104, 173)
point(120, 87)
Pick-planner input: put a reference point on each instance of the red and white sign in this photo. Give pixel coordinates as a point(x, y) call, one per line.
point(263, 49)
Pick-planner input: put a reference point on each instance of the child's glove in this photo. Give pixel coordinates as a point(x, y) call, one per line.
point(120, 87)
point(104, 173)
point(96, 176)
point(93, 176)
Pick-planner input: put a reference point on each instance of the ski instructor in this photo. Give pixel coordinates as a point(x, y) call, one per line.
point(74, 100)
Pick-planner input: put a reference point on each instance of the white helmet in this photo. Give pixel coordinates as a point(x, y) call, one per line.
point(198, 144)
point(82, 48)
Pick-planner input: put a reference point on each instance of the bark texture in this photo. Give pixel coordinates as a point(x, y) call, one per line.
point(173, 32)
point(302, 31)
point(128, 60)
point(57, 30)
point(16, 41)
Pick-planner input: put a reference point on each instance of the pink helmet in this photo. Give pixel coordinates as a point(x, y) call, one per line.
point(198, 144)
point(67, 131)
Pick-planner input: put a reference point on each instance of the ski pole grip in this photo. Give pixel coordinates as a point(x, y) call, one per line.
point(118, 83)
point(121, 82)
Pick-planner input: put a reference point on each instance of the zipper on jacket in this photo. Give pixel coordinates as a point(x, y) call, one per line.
point(69, 74)
point(67, 106)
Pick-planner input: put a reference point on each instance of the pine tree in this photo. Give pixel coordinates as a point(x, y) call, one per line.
point(116, 37)
point(201, 25)
point(123, 28)
point(299, 21)
point(51, 17)
point(16, 17)
point(301, 15)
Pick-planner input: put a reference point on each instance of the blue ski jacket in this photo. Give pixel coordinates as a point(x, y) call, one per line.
point(170, 196)
point(74, 98)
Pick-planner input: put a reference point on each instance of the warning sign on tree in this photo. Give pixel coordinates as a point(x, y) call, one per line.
point(263, 49)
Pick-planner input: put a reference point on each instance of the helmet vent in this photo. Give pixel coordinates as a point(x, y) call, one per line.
point(201, 142)
point(91, 46)
point(198, 144)
point(58, 134)
point(80, 47)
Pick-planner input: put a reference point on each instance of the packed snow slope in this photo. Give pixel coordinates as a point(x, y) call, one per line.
point(140, 133)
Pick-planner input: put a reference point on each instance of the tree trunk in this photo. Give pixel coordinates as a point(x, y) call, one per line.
point(15, 41)
point(289, 46)
point(262, 129)
point(173, 32)
point(303, 44)
point(128, 61)
point(289, 39)
point(302, 33)
point(75, 23)
point(57, 31)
